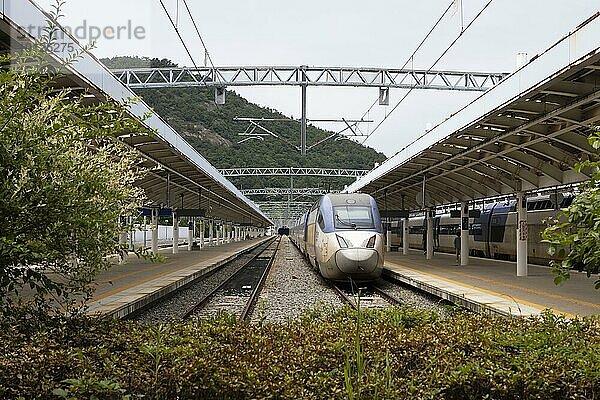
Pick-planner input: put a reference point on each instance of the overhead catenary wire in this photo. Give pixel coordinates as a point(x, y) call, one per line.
point(176, 28)
point(462, 32)
point(411, 57)
point(198, 33)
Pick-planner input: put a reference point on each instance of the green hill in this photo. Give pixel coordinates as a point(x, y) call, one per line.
point(211, 129)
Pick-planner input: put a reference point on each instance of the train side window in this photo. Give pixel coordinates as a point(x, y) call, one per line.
point(475, 230)
point(567, 202)
point(320, 221)
point(416, 230)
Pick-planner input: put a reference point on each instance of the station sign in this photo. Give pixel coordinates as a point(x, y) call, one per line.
point(163, 212)
point(191, 212)
point(523, 230)
point(393, 213)
point(472, 214)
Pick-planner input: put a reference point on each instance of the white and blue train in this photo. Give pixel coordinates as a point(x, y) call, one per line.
point(342, 237)
point(492, 234)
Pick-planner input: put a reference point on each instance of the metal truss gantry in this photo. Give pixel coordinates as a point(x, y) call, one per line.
point(287, 209)
point(140, 78)
point(296, 192)
point(284, 213)
point(304, 76)
point(332, 172)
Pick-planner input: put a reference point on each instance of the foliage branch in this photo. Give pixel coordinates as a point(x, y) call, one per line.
point(65, 179)
point(574, 235)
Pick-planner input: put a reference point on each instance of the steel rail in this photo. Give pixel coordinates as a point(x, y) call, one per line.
point(389, 298)
point(342, 295)
point(247, 311)
point(204, 301)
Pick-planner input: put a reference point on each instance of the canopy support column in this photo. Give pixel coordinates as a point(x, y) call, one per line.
point(521, 234)
point(175, 233)
point(155, 231)
point(429, 233)
point(190, 234)
point(405, 236)
point(464, 234)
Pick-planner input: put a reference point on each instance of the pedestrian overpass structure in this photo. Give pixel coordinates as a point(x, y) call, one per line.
point(179, 177)
point(524, 135)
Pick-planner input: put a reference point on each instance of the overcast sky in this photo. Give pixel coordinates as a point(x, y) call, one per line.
point(341, 33)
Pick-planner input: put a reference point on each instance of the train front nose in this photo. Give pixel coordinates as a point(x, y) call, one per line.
point(357, 260)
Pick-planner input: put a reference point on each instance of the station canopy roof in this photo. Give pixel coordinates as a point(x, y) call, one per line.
point(192, 179)
point(524, 134)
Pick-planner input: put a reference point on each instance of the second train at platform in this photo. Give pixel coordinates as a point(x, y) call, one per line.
point(492, 234)
point(342, 237)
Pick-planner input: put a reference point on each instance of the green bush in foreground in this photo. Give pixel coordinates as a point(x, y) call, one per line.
point(401, 353)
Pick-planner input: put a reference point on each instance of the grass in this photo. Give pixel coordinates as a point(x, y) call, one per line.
point(371, 354)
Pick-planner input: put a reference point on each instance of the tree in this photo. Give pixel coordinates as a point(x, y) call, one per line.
point(574, 236)
point(65, 180)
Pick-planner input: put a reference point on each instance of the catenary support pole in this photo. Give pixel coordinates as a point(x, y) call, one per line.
point(303, 122)
point(429, 233)
point(175, 233)
point(154, 231)
point(388, 237)
point(521, 234)
point(131, 234)
point(388, 231)
point(123, 237)
point(145, 233)
point(190, 234)
point(405, 237)
point(201, 242)
point(464, 234)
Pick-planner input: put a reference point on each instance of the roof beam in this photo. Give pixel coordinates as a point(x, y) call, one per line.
point(537, 164)
point(526, 175)
point(515, 170)
point(472, 184)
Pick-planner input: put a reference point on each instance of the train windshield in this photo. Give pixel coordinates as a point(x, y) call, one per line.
point(353, 217)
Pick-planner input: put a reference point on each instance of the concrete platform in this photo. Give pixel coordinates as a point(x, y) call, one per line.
point(492, 286)
point(129, 287)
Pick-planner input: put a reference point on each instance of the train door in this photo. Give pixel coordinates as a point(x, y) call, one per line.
point(436, 233)
point(481, 230)
point(497, 230)
point(399, 233)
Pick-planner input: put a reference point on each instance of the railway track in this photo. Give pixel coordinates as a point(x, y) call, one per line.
point(368, 296)
point(239, 293)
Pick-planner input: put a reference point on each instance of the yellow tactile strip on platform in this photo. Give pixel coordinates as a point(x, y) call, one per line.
point(474, 298)
point(132, 298)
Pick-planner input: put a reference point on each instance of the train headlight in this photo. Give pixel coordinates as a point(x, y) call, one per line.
point(343, 244)
point(371, 242)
